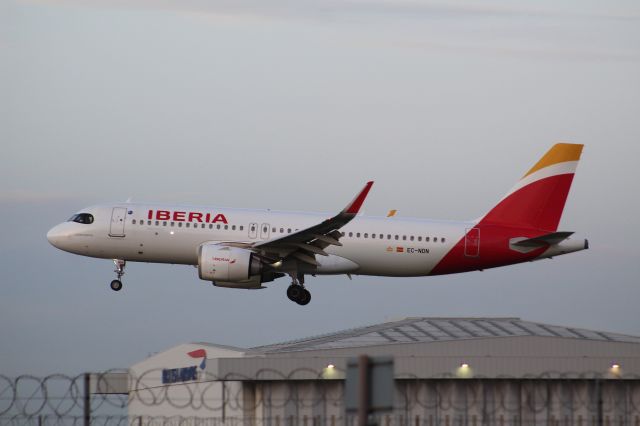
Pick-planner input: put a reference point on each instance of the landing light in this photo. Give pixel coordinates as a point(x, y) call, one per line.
point(277, 264)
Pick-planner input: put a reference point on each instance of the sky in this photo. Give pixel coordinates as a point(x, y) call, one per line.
point(293, 105)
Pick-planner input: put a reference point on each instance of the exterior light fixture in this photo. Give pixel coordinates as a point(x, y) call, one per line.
point(464, 371)
point(615, 369)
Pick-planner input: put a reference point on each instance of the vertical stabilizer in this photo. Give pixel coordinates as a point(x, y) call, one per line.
point(538, 199)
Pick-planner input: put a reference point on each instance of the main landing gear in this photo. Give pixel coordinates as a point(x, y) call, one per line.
point(116, 285)
point(296, 291)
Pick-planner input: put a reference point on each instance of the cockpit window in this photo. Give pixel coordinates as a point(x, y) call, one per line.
point(81, 218)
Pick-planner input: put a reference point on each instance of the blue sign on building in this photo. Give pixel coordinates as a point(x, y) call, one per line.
point(175, 375)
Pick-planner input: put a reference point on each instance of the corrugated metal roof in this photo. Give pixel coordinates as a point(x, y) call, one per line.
point(425, 330)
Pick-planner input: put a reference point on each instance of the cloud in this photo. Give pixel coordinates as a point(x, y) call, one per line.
point(331, 9)
point(26, 196)
point(529, 52)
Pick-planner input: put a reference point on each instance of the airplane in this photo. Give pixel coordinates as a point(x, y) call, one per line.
point(245, 248)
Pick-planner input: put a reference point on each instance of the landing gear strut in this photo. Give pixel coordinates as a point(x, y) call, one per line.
point(296, 291)
point(116, 285)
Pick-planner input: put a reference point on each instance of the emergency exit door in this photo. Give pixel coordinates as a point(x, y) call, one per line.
point(118, 215)
point(472, 242)
point(264, 231)
point(253, 231)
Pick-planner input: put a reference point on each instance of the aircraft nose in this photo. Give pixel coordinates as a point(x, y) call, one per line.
point(55, 235)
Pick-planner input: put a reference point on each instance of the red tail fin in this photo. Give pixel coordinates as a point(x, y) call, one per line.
point(539, 197)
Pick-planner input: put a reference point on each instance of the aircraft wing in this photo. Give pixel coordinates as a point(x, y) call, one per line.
point(306, 243)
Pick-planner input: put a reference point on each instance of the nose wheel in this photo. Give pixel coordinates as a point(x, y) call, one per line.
point(116, 285)
point(296, 291)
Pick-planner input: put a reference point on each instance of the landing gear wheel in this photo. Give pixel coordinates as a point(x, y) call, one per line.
point(116, 285)
point(304, 298)
point(294, 291)
point(300, 295)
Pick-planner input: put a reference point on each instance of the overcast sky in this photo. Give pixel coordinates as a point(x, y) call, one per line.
point(294, 105)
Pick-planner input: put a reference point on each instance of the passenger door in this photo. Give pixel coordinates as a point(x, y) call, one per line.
point(472, 243)
point(118, 216)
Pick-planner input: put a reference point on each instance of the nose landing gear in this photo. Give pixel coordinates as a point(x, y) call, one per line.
point(116, 285)
point(296, 291)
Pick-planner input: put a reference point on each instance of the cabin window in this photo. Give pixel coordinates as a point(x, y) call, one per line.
point(133, 221)
point(282, 230)
point(241, 227)
point(358, 235)
point(396, 237)
point(288, 230)
point(404, 238)
point(148, 222)
point(350, 234)
point(388, 236)
point(179, 224)
point(411, 238)
point(188, 225)
point(419, 238)
point(211, 226)
point(442, 240)
point(233, 227)
point(226, 227)
point(373, 235)
point(173, 223)
point(164, 223)
point(426, 239)
point(366, 235)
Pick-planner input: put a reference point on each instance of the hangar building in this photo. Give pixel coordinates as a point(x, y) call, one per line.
point(448, 371)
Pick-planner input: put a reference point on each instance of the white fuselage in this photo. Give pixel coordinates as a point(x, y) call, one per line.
point(371, 245)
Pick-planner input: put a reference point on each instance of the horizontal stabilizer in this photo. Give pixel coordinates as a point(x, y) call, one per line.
point(525, 245)
point(543, 240)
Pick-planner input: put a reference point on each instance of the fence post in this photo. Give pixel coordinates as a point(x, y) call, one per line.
point(87, 399)
point(363, 390)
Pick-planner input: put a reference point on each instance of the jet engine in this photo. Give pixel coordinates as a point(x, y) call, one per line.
point(229, 265)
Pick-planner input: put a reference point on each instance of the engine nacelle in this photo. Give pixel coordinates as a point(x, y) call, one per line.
point(227, 264)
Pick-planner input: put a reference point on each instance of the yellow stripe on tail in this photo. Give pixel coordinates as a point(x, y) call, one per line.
point(559, 153)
